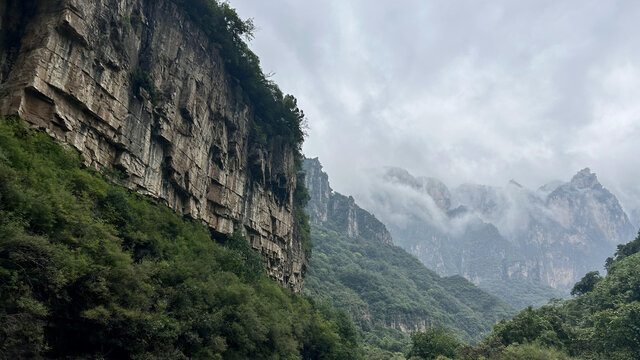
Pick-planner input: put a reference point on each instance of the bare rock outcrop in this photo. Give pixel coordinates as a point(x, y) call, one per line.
point(329, 207)
point(73, 68)
point(523, 245)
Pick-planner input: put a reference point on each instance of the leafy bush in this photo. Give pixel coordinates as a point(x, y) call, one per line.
point(141, 79)
point(433, 343)
point(91, 270)
point(532, 352)
point(586, 284)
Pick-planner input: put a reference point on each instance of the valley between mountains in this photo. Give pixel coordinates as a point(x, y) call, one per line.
point(156, 203)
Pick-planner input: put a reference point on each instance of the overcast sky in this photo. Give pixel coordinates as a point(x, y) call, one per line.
point(466, 91)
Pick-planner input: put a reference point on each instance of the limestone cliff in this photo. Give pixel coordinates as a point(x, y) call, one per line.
point(69, 67)
point(341, 211)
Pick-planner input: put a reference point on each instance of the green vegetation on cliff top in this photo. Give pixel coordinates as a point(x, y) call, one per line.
point(278, 120)
point(91, 270)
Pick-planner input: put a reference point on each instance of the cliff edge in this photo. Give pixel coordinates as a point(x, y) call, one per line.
point(137, 86)
point(327, 206)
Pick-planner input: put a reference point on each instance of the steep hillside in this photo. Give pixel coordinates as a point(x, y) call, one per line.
point(601, 322)
point(90, 270)
point(388, 292)
point(168, 93)
point(522, 245)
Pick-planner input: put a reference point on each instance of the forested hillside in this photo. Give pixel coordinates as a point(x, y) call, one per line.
point(91, 270)
point(601, 322)
point(388, 292)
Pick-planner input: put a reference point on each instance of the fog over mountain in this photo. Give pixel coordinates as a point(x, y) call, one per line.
point(522, 244)
point(466, 91)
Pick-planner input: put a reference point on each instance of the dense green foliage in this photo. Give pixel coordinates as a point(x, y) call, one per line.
point(433, 342)
point(91, 270)
point(141, 79)
point(441, 344)
point(586, 284)
point(278, 120)
point(382, 284)
point(521, 293)
point(602, 322)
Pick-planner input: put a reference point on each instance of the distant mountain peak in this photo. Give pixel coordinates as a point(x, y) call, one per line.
point(400, 175)
point(550, 186)
point(436, 189)
point(585, 179)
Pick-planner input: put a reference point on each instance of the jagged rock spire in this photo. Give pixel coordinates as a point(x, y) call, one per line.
point(326, 205)
point(585, 179)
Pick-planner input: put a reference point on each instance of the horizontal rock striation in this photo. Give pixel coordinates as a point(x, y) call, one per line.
point(136, 86)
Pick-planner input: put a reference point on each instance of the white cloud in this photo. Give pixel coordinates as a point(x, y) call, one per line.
point(462, 90)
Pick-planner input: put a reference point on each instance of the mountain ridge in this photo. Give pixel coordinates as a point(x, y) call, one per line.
point(502, 238)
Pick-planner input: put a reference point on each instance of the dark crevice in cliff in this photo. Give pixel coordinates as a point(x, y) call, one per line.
point(14, 15)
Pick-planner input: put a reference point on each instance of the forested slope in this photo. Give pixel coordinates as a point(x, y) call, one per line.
point(602, 321)
point(91, 270)
point(388, 292)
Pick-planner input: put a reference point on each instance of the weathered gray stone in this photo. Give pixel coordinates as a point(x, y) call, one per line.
point(69, 72)
point(341, 211)
point(552, 236)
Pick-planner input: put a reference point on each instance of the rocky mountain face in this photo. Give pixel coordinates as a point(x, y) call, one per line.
point(356, 266)
point(136, 86)
point(523, 245)
point(342, 211)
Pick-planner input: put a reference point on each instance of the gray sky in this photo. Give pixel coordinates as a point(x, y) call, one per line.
point(466, 91)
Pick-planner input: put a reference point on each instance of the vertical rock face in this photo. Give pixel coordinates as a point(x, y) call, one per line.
point(342, 212)
point(589, 217)
point(67, 66)
point(317, 183)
